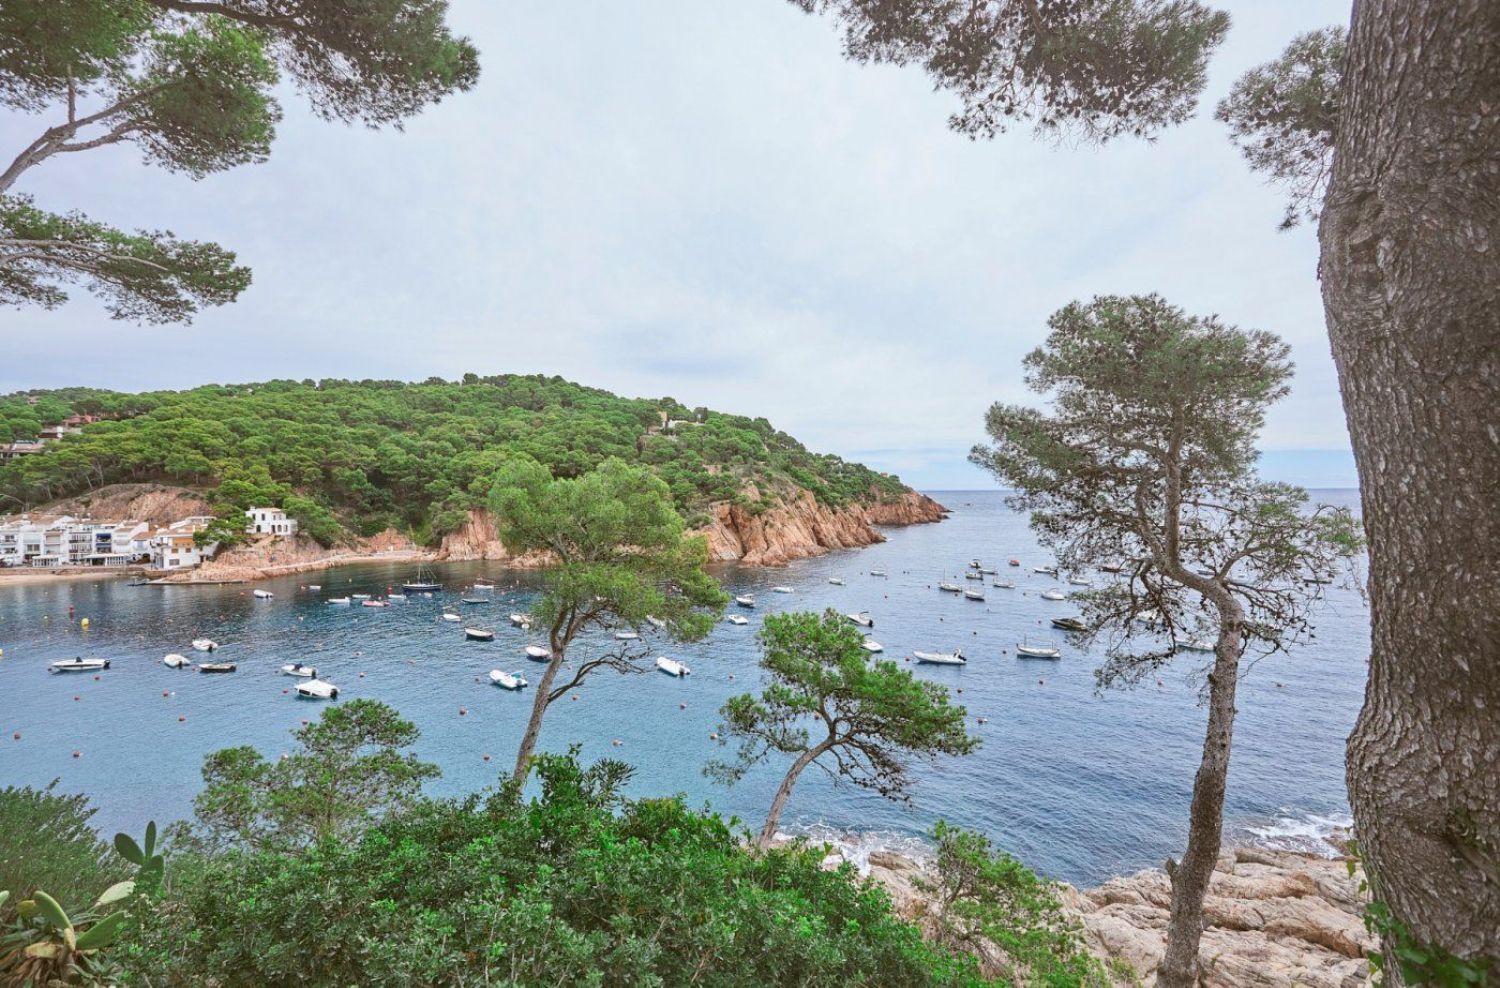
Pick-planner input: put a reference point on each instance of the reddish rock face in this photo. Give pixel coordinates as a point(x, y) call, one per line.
point(801, 527)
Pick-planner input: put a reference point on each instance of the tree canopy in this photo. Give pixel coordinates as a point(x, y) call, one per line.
point(828, 703)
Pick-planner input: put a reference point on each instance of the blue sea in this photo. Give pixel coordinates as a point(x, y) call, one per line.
point(1079, 784)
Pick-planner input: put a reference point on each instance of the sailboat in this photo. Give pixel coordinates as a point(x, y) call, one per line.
point(424, 582)
point(1037, 652)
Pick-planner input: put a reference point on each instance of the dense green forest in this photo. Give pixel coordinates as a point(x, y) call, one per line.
point(360, 456)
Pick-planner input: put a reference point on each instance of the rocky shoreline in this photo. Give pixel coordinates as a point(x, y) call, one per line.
point(1274, 918)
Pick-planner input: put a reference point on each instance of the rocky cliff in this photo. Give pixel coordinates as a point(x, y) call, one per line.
point(156, 504)
point(1274, 918)
point(797, 527)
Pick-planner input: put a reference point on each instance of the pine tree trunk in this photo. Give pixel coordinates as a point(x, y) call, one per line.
point(1411, 285)
point(539, 707)
point(784, 792)
point(1190, 877)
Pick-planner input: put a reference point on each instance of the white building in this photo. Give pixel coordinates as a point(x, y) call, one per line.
point(270, 521)
point(174, 547)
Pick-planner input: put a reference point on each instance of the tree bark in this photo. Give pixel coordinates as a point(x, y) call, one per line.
point(1190, 877)
point(784, 791)
point(539, 707)
point(1410, 264)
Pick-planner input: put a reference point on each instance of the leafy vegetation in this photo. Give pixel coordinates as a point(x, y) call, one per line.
point(71, 862)
point(827, 700)
point(623, 558)
point(360, 456)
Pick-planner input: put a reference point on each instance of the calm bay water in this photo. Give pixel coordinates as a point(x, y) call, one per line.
point(1080, 785)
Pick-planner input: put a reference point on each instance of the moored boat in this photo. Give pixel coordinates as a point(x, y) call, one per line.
point(452, 616)
point(626, 636)
point(954, 658)
point(1014, 562)
point(871, 645)
point(950, 588)
point(975, 575)
point(1054, 595)
point(1048, 570)
point(476, 600)
point(1004, 584)
point(299, 670)
point(1079, 581)
point(217, 667)
point(745, 600)
point(174, 661)
point(862, 619)
point(479, 634)
point(1069, 624)
point(374, 603)
point(877, 572)
point(974, 595)
point(520, 620)
point(423, 583)
point(507, 680)
point(262, 594)
point(360, 596)
point(1037, 652)
point(78, 665)
point(1195, 645)
point(737, 619)
point(781, 590)
point(204, 644)
point(836, 581)
point(537, 653)
point(672, 667)
point(338, 600)
point(317, 689)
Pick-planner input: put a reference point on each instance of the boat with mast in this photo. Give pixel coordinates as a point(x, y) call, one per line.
point(424, 583)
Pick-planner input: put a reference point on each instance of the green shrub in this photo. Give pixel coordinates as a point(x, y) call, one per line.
point(47, 842)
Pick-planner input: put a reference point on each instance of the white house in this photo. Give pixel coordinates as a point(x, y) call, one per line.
point(270, 521)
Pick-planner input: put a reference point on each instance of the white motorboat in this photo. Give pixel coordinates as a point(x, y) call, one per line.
point(1037, 652)
point(975, 564)
point(836, 581)
point(175, 661)
point(871, 645)
point(374, 603)
point(626, 636)
point(360, 596)
point(217, 667)
point(954, 658)
point(745, 600)
point(1195, 645)
point(338, 600)
point(317, 689)
point(521, 620)
point(1054, 595)
point(974, 595)
point(1004, 584)
point(262, 594)
point(781, 590)
point(737, 619)
point(537, 653)
point(877, 572)
point(78, 665)
point(1048, 570)
point(862, 619)
point(672, 667)
point(450, 616)
point(507, 680)
point(988, 572)
point(204, 644)
point(395, 596)
point(299, 670)
point(655, 622)
point(479, 634)
point(481, 585)
point(315, 586)
point(950, 588)
point(975, 575)
point(1079, 581)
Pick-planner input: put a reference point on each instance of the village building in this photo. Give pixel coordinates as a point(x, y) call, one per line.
point(270, 521)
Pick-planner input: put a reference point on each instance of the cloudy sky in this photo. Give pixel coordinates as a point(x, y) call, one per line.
point(704, 200)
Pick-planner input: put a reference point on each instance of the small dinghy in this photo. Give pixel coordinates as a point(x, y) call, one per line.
point(374, 603)
point(1195, 645)
point(655, 622)
point(954, 658)
point(626, 636)
point(451, 616)
point(1079, 581)
point(338, 600)
point(950, 588)
point(520, 620)
point(217, 667)
point(315, 586)
point(975, 564)
point(1069, 624)
point(395, 596)
point(871, 645)
point(479, 634)
point(1054, 595)
point(1037, 652)
point(974, 595)
point(1014, 562)
point(299, 670)
point(476, 600)
point(360, 596)
point(1048, 570)
point(781, 590)
point(537, 653)
point(862, 619)
point(877, 572)
point(262, 594)
point(79, 665)
point(204, 644)
point(175, 661)
point(1004, 584)
point(480, 585)
point(745, 600)
point(836, 581)
point(317, 689)
point(507, 680)
point(737, 619)
point(672, 667)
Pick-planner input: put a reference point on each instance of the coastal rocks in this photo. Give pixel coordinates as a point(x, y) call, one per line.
point(478, 539)
point(155, 504)
point(797, 527)
point(1273, 918)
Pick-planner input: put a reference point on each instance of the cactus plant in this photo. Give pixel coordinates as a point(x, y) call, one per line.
point(46, 946)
